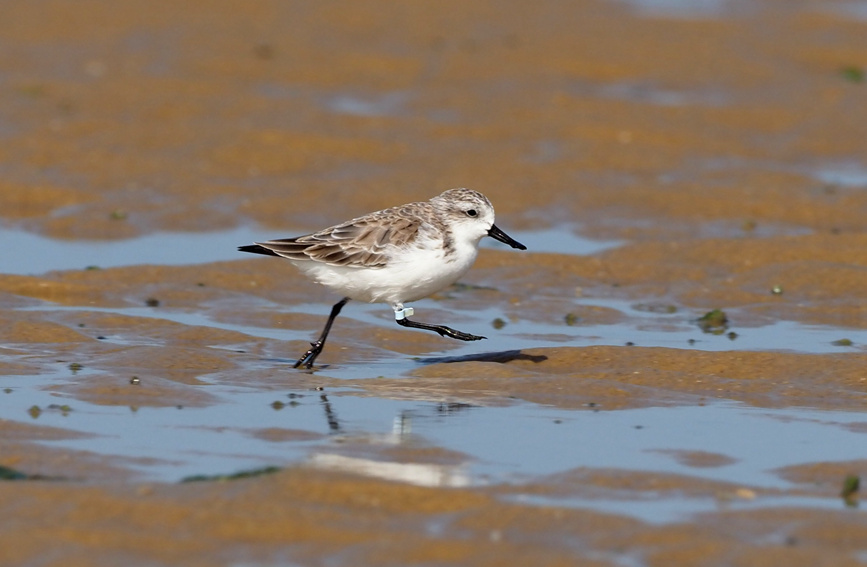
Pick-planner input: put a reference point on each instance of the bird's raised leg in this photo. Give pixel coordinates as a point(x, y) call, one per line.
point(401, 313)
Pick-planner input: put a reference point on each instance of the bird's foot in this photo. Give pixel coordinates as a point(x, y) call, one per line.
point(307, 360)
point(460, 335)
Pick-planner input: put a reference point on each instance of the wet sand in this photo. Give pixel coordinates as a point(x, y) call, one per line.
point(722, 150)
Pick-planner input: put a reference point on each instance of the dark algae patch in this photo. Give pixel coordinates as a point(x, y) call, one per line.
point(714, 322)
point(852, 74)
point(849, 494)
point(233, 476)
point(8, 473)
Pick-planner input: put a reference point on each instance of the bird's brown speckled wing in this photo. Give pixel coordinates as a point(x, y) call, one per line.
point(363, 242)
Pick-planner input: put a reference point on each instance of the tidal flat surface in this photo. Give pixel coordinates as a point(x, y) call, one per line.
point(661, 160)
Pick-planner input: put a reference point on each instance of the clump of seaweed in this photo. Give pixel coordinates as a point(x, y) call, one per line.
point(714, 322)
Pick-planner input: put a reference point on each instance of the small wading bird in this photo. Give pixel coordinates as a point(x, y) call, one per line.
point(394, 256)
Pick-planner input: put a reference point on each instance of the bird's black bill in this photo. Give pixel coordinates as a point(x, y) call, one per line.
point(498, 234)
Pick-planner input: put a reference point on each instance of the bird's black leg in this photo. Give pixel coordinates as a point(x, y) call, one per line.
point(315, 348)
point(441, 329)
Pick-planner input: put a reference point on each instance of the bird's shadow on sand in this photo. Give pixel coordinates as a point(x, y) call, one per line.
point(502, 357)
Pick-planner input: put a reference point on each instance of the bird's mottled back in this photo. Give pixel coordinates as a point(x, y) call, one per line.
point(365, 242)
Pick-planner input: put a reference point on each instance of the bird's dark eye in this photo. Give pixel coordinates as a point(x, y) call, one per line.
point(472, 213)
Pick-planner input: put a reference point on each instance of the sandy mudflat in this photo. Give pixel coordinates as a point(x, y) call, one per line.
point(720, 150)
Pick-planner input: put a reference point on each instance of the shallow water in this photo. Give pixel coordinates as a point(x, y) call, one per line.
point(849, 174)
point(337, 429)
point(688, 9)
point(29, 253)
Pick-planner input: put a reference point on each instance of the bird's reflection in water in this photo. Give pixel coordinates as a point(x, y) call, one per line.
point(449, 408)
point(388, 468)
point(330, 416)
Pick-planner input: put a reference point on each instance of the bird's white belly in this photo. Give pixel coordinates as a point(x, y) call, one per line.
point(408, 276)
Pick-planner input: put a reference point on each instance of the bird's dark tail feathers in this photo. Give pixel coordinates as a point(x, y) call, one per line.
point(256, 249)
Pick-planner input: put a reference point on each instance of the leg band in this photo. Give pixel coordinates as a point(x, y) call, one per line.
point(403, 313)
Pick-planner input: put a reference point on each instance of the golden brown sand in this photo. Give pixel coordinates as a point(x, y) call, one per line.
point(697, 141)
